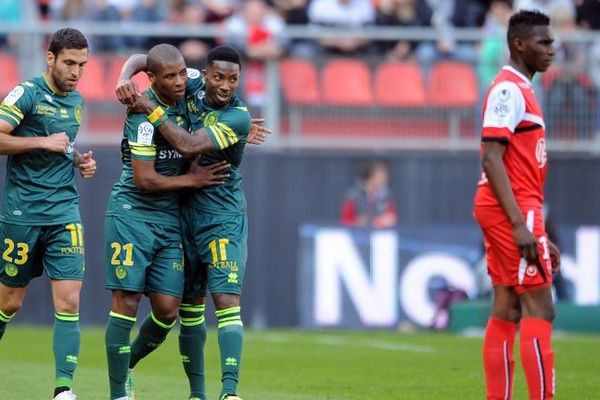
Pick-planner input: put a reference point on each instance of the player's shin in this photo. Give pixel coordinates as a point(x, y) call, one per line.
point(537, 357)
point(118, 352)
point(4, 320)
point(192, 338)
point(231, 338)
point(152, 334)
point(498, 358)
point(66, 343)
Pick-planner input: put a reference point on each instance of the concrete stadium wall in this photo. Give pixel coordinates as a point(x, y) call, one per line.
point(287, 189)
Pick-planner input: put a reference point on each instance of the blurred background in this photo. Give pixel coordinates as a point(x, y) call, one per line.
point(360, 202)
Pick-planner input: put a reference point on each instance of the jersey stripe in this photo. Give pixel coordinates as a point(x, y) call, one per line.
point(142, 149)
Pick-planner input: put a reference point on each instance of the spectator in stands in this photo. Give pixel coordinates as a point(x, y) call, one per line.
point(10, 13)
point(369, 203)
point(570, 90)
point(146, 11)
point(192, 14)
point(295, 12)
point(256, 33)
point(69, 10)
point(405, 13)
point(588, 14)
point(219, 10)
point(493, 51)
point(348, 14)
point(103, 11)
point(548, 7)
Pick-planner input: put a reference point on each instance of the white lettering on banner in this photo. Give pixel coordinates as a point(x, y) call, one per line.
point(413, 292)
point(584, 271)
point(338, 264)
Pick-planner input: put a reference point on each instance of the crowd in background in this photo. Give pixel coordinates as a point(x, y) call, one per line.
point(254, 27)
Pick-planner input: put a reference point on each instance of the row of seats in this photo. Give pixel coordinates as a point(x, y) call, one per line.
point(344, 82)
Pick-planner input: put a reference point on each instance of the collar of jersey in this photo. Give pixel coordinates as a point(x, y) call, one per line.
point(512, 69)
point(162, 103)
point(49, 86)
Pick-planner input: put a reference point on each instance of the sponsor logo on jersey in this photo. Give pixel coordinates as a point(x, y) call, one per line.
point(178, 266)
point(232, 278)
point(18, 213)
point(540, 152)
point(64, 113)
point(11, 270)
point(168, 154)
point(193, 73)
point(127, 206)
point(145, 133)
point(44, 109)
point(14, 95)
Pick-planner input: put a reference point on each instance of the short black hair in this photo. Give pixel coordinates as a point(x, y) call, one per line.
point(161, 53)
point(66, 38)
point(223, 53)
point(522, 22)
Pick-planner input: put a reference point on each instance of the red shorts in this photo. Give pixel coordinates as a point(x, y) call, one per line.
point(506, 267)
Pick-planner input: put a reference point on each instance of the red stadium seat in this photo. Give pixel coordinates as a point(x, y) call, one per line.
point(299, 81)
point(113, 75)
point(10, 74)
point(92, 83)
point(399, 84)
point(346, 83)
point(453, 84)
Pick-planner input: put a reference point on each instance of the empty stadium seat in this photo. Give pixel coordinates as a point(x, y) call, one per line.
point(346, 83)
point(10, 74)
point(92, 83)
point(399, 84)
point(453, 84)
point(299, 81)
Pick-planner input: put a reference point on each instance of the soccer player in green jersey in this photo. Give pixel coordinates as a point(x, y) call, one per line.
point(214, 219)
point(40, 225)
point(143, 238)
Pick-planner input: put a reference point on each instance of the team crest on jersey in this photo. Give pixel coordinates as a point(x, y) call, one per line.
point(504, 95)
point(193, 73)
point(78, 114)
point(540, 152)
point(14, 95)
point(145, 133)
point(121, 272)
point(211, 119)
point(11, 270)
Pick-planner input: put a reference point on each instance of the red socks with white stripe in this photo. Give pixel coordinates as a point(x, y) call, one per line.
point(498, 360)
point(537, 357)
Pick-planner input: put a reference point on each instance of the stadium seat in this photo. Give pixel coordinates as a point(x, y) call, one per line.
point(299, 81)
point(113, 75)
point(346, 83)
point(91, 86)
point(453, 84)
point(399, 84)
point(10, 73)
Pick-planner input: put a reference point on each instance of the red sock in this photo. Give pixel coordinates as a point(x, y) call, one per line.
point(498, 360)
point(537, 357)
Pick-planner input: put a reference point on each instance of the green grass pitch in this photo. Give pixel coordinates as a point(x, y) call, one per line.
point(299, 365)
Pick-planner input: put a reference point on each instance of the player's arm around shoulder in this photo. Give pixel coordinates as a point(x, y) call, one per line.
point(14, 110)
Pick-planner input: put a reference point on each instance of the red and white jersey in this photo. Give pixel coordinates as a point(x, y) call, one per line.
point(512, 115)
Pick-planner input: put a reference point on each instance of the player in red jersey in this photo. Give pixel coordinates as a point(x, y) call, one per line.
point(508, 207)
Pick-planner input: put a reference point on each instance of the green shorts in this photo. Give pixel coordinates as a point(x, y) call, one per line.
point(143, 257)
point(216, 252)
point(28, 251)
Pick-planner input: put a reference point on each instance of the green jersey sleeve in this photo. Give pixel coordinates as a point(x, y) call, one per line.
point(232, 126)
point(17, 104)
point(195, 81)
point(140, 136)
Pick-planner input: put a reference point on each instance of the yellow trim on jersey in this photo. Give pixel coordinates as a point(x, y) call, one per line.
point(218, 136)
point(142, 149)
point(162, 103)
point(231, 135)
point(2, 112)
point(13, 109)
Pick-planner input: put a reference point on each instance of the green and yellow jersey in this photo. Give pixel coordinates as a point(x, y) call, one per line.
point(40, 185)
point(141, 141)
point(228, 129)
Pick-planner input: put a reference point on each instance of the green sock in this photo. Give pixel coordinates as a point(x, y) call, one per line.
point(65, 343)
point(151, 335)
point(118, 350)
point(4, 319)
point(231, 338)
point(192, 337)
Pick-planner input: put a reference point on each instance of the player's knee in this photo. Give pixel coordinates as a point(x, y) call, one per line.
point(166, 316)
point(12, 305)
point(69, 302)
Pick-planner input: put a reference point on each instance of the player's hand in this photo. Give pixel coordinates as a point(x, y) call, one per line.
point(554, 256)
point(127, 91)
point(142, 105)
point(208, 175)
point(526, 242)
point(258, 134)
point(87, 165)
point(57, 143)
